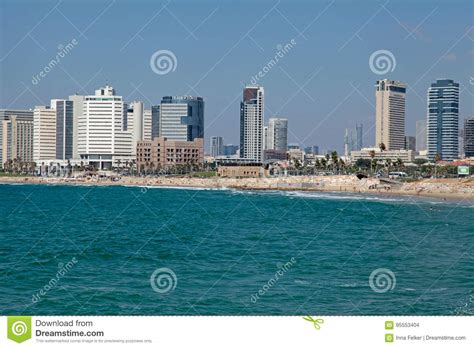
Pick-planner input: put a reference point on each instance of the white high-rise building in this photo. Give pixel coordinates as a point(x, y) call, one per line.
point(44, 134)
point(390, 114)
point(147, 125)
point(277, 134)
point(251, 124)
point(77, 110)
point(103, 140)
point(135, 118)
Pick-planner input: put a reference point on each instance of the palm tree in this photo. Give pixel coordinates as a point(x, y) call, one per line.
point(341, 164)
point(317, 165)
point(372, 156)
point(437, 159)
point(334, 159)
point(382, 147)
point(324, 162)
point(399, 163)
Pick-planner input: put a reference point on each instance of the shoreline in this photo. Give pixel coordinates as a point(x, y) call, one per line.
point(444, 189)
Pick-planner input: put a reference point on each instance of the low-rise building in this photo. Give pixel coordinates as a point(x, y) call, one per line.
point(296, 155)
point(164, 153)
point(240, 170)
point(269, 155)
point(393, 155)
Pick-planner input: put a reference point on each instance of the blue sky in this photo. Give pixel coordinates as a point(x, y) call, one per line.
point(323, 84)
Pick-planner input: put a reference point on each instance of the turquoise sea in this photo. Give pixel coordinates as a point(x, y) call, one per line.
point(91, 250)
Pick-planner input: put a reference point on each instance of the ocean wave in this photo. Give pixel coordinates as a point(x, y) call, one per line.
point(190, 188)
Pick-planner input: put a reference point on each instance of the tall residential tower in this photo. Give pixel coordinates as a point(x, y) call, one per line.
point(442, 123)
point(251, 123)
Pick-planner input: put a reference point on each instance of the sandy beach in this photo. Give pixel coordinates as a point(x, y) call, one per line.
point(459, 189)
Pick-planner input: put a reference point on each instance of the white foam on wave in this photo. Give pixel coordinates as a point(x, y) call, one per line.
point(337, 196)
point(168, 187)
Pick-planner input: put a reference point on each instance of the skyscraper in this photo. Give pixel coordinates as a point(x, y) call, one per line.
point(390, 114)
point(469, 137)
point(251, 123)
point(181, 118)
point(410, 142)
point(139, 123)
point(420, 135)
point(77, 110)
point(155, 121)
point(102, 136)
point(353, 139)
point(266, 144)
point(359, 136)
point(17, 139)
point(348, 141)
point(135, 123)
point(277, 134)
point(217, 146)
point(44, 134)
point(147, 124)
point(230, 150)
point(64, 128)
point(5, 114)
point(442, 125)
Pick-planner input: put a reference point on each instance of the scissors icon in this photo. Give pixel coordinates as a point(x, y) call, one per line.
point(316, 322)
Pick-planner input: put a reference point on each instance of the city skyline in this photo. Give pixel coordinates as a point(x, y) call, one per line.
point(320, 92)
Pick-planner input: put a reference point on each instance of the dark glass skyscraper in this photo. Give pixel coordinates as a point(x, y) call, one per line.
point(155, 121)
point(181, 118)
point(442, 124)
point(469, 137)
point(64, 128)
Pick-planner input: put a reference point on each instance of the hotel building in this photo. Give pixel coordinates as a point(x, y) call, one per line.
point(20, 115)
point(390, 114)
point(44, 134)
point(103, 138)
point(17, 139)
